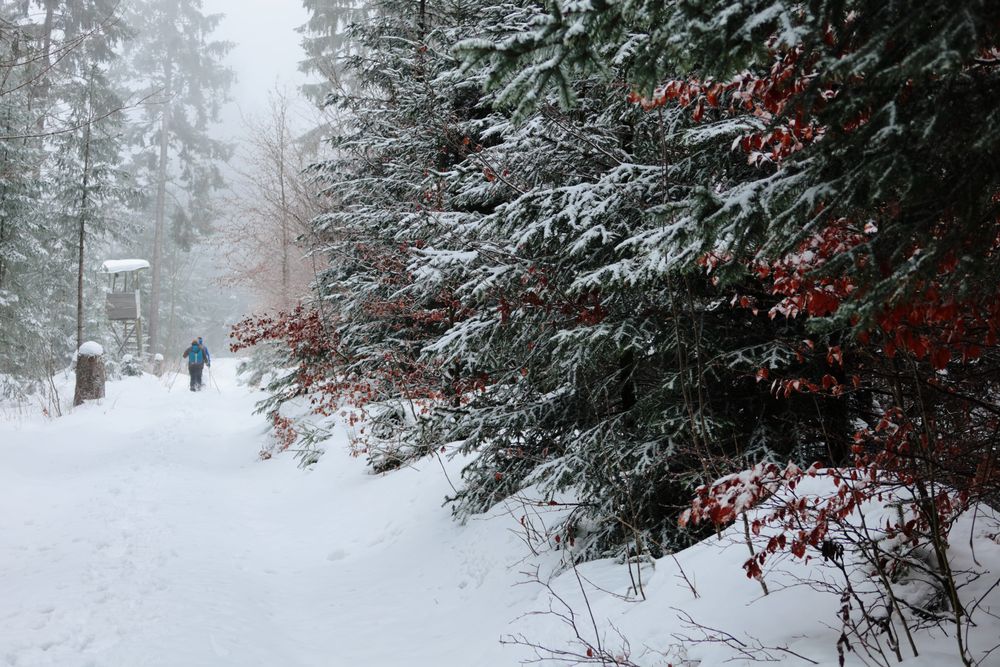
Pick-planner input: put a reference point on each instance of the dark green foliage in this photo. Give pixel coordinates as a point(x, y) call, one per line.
point(908, 94)
point(528, 285)
point(575, 289)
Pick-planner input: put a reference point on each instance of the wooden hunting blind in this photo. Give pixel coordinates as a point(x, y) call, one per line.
point(122, 302)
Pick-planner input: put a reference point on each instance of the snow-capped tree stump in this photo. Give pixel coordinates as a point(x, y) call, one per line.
point(90, 376)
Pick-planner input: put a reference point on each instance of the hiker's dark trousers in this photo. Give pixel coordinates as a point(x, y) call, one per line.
point(194, 370)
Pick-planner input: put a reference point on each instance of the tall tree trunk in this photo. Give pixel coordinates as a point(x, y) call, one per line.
point(3, 238)
point(84, 202)
point(41, 92)
point(4, 167)
point(3, 218)
point(50, 10)
point(161, 205)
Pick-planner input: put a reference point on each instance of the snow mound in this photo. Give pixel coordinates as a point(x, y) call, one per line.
point(91, 349)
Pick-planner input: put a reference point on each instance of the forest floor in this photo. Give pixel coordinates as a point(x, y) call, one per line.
point(144, 531)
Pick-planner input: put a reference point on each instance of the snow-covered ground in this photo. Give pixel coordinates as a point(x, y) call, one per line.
point(145, 531)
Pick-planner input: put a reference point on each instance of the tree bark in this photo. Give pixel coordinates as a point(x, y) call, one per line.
point(3, 198)
point(84, 202)
point(90, 379)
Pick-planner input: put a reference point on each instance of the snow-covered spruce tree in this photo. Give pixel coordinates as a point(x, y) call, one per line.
point(615, 368)
point(174, 54)
point(22, 233)
point(886, 87)
point(328, 43)
point(89, 192)
point(59, 110)
point(514, 286)
point(402, 130)
point(874, 214)
point(528, 259)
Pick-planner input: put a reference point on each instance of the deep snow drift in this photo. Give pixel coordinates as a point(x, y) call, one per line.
point(144, 530)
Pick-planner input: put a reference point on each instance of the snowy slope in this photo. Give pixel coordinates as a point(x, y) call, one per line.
point(144, 531)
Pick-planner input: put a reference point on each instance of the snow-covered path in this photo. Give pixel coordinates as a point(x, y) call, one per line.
point(144, 531)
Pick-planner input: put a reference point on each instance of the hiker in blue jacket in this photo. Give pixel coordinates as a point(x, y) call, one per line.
point(208, 357)
point(198, 358)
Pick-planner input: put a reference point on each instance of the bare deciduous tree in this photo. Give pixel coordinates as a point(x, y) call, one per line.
point(265, 238)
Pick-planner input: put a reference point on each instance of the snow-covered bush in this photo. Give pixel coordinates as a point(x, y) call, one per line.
point(130, 366)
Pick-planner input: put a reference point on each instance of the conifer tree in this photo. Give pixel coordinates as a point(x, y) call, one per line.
point(327, 42)
point(885, 87)
point(630, 266)
point(89, 191)
point(859, 213)
point(174, 54)
point(21, 228)
point(60, 111)
point(511, 276)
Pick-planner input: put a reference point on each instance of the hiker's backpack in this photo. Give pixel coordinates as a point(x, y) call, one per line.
point(195, 355)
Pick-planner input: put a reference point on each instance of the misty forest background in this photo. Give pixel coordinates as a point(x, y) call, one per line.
point(617, 249)
point(113, 148)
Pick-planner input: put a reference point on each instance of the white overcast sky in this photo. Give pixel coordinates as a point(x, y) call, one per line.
point(266, 52)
